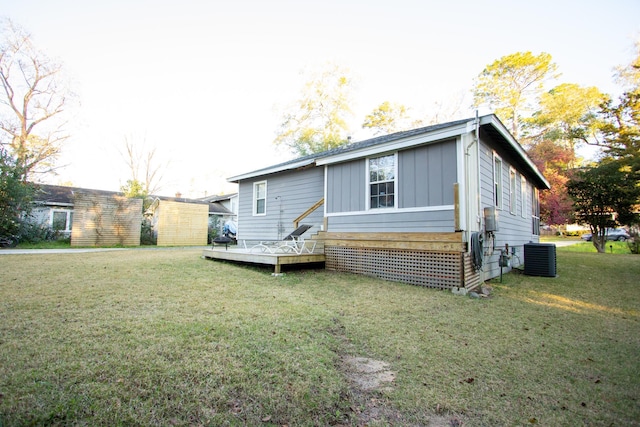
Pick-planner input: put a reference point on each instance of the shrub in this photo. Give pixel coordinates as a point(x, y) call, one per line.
point(147, 234)
point(31, 232)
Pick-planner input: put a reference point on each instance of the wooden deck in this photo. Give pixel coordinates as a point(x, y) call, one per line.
point(240, 254)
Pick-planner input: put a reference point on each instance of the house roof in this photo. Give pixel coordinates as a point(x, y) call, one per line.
point(219, 209)
point(489, 123)
point(59, 195)
point(218, 198)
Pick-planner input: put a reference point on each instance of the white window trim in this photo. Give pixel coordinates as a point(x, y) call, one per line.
point(68, 222)
point(255, 198)
point(513, 193)
point(442, 208)
point(523, 196)
point(498, 185)
point(395, 183)
point(535, 211)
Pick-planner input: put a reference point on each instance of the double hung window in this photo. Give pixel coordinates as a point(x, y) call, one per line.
point(497, 181)
point(260, 198)
point(513, 195)
point(382, 182)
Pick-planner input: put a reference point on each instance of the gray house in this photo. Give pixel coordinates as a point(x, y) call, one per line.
point(441, 206)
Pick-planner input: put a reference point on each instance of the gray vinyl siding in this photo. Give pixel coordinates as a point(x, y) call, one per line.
point(289, 194)
point(426, 175)
point(388, 222)
point(513, 229)
point(346, 187)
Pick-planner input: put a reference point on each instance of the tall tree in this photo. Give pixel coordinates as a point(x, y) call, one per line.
point(567, 114)
point(511, 84)
point(32, 102)
point(146, 172)
point(621, 131)
point(387, 118)
point(604, 197)
point(629, 75)
point(319, 119)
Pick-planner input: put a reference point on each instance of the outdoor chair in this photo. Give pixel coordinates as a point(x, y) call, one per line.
point(292, 243)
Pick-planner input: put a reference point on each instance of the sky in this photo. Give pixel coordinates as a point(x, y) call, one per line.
point(205, 83)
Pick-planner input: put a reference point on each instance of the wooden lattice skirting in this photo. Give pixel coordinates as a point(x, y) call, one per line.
point(443, 270)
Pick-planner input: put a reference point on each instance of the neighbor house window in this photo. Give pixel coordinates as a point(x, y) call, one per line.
point(523, 196)
point(260, 198)
point(512, 191)
point(61, 220)
point(497, 181)
point(382, 177)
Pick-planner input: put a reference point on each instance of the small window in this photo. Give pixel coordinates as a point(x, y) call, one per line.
point(260, 198)
point(382, 176)
point(497, 181)
point(513, 195)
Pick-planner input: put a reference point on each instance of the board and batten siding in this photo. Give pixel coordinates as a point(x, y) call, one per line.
point(425, 181)
point(440, 221)
point(346, 187)
point(426, 175)
point(514, 229)
point(289, 194)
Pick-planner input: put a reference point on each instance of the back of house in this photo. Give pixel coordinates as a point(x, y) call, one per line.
point(439, 206)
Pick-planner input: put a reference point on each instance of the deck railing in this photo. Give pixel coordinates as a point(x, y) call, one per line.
point(296, 222)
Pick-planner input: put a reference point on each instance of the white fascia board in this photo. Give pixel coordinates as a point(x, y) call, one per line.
point(273, 169)
point(493, 121)
point(398, 144)
point(50, 204)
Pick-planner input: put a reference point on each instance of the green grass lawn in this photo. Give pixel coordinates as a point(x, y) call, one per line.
point(163, 337)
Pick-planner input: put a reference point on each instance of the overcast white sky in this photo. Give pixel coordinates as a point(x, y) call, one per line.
point(205, 81)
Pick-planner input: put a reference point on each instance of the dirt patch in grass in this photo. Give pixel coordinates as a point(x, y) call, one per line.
point(369, 379)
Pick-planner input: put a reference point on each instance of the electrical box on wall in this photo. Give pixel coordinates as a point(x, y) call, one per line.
point(490, 219)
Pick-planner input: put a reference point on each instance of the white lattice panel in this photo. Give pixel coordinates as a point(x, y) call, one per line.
point(432, 269)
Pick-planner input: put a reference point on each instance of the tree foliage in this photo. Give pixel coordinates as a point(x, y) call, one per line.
point(134, 189)
point(553, 160)
point(319, 119)
point(567, 114)
point(511, 84)
point(33, 100)
point(620, 128)
point(387, 118)
point(604, 196)
point(15, 195)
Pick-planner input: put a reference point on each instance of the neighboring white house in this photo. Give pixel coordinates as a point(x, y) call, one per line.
point(53, 206)
point(222, 209)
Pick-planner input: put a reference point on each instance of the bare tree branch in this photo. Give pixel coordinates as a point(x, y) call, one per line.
point(34, 100)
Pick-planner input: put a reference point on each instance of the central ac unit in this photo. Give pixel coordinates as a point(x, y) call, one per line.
point(540, 259)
